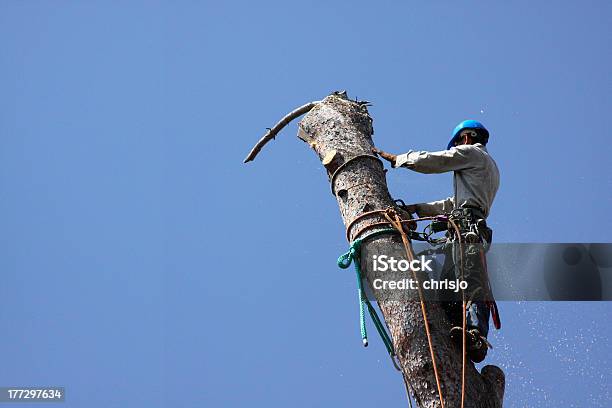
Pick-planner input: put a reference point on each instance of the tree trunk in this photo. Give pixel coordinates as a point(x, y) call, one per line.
point(338, 130)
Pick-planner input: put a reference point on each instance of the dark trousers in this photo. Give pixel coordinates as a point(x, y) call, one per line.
point(469, 265)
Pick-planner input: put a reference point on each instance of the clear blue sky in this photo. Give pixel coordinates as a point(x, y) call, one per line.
point(144, 265)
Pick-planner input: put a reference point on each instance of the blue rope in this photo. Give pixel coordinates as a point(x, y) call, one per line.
point(344, 261)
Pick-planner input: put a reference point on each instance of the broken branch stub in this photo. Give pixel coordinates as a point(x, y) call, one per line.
point(272, 132)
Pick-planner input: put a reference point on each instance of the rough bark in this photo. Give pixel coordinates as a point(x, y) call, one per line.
point(339, 129)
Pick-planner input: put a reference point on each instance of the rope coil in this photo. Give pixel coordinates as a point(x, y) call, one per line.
point(344, 261)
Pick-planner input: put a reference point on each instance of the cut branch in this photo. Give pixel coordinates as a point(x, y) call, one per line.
point(272, 132)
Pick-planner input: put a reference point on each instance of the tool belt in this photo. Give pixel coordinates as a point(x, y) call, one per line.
point(472, 225)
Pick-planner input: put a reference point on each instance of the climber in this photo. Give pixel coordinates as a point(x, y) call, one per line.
point(476, 180)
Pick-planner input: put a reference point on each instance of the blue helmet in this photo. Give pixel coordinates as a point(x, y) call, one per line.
point(483, 133)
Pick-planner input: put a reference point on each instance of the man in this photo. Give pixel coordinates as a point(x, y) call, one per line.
point(476, 180)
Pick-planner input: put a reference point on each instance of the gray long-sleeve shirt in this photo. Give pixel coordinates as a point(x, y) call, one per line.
point(476, 177)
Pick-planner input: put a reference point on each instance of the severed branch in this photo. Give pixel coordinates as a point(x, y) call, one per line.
point(271, 133)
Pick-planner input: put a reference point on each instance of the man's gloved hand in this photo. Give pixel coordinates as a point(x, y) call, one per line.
point(391, 158)
point(411, 209)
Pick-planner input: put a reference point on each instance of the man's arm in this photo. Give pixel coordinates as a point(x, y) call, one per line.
point(434, 208)
point(456, 158)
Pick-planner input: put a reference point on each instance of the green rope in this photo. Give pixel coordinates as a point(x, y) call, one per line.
point(344, 261)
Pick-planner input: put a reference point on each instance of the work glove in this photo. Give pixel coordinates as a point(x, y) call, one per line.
point(391, 158)
point(412, 209)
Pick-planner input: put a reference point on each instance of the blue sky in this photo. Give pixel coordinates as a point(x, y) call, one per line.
point(144, 265)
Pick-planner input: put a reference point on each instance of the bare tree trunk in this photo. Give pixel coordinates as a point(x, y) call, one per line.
point(339, 130)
